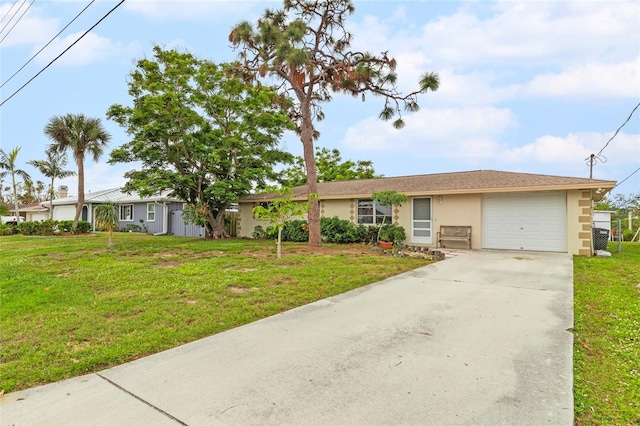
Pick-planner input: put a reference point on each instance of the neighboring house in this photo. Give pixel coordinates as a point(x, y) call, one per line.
point(506, 210)
point(158, 214)
point(602, 219)
point(34, 212)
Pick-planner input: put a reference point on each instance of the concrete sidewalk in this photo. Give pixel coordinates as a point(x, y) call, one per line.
point(477, 339)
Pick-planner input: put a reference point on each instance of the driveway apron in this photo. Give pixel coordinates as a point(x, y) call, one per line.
point(478, 339)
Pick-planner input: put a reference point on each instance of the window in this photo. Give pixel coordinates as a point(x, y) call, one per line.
point(369, 212)
point(126, 212)
point(151, 212)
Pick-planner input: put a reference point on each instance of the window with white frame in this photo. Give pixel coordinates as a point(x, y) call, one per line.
point(370, 212)
point(151, 212)
point(126, 212)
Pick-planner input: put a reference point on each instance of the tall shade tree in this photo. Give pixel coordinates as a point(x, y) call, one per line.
point(201, 133)
point(106, 216)
point(52, 167)
point(81, 136)
point(330, 167)
point(305, 46)
point(9, 167)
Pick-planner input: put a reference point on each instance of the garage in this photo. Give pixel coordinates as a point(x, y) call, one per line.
point(525, 221)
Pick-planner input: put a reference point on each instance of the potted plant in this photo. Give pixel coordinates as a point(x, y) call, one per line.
point(387, 233)
point(390, 235)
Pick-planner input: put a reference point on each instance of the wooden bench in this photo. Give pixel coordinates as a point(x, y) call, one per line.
point(454, 233)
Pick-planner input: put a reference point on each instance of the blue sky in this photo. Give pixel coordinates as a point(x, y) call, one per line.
point(534, 86)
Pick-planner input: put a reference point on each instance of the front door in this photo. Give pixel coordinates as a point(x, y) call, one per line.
point(421, 221)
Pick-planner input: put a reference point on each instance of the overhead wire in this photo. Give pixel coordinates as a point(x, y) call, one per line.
point(623, 180)
point(50, 41)
point(8, 11)
point(594, 158)
point(619, 128)
point(63, 52)
point(19, 19)
point(14, 14)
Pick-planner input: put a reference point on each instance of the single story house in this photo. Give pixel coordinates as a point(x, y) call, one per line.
point(505, 210)
point(34, 212)
point(158, 214)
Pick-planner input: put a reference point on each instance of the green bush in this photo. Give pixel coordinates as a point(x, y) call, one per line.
point(336, 230)
point(47, 227)
point(7, 229)
point(392, 233)
point(259, 233)
point(28, 228)
point(65, 225)
point(131, 228)
point(83, 227)
point(295, 230)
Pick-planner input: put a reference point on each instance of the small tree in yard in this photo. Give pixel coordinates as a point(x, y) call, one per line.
point(8, 164)
point(305, 46)
point(106, 216)
point(279, 211)
point(387, 198)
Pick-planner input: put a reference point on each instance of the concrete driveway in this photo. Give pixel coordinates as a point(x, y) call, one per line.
point(478, 339)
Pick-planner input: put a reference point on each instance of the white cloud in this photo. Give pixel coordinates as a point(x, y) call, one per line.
point(623, 149)
point(97, 177)
point(32, 27)
point(542, 49)
point(195, 10)
point(91, 48)
point(469, 133)
point(610, 80)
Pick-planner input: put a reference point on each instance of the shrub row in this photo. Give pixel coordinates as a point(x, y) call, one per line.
point(52, 227)
point(332, 230)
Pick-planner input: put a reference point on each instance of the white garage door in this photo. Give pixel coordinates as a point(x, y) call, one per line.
point(536, 222)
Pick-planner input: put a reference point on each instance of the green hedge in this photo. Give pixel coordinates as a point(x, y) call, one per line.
point(332, 230)
point(51, 227)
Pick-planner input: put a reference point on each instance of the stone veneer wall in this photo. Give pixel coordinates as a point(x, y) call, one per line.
point(585, 218)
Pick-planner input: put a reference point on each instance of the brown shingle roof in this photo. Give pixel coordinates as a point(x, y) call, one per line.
point(478, 181)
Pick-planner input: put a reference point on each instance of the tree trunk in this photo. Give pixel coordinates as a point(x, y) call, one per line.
point(51, 194)
point(313, 217)
point(279, 243)
point(110, 243)
point(216, 223)
point(15, 198)
point(80, 162)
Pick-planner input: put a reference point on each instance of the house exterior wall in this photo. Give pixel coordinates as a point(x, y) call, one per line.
point(36, 216)
point(64, 212)
point(579, 234)
point(458, 210)
point(177, 226)
point(140, 213)
point(452, 209)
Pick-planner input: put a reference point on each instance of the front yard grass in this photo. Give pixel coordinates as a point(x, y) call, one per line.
point(70, 305)
point(607, 337)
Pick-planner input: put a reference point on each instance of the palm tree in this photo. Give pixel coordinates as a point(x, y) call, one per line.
point(52, 167)
point(106, 216)
point(80, 135)
point(8, 164)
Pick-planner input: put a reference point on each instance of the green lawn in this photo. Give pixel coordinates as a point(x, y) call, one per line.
point(70, 305)
point(607, 337)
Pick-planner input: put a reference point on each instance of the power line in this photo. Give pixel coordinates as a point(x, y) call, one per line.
point(594, 158)
point(63, 52)
point(622, 181)
point(16, 23)
point(8, 11)
point(50, 41)
point(621, 126)
point(14, 14)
